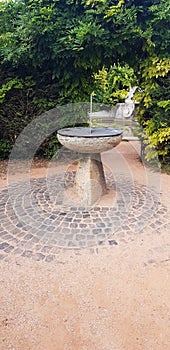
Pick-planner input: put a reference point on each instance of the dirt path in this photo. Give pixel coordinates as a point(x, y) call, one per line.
point(108, 298)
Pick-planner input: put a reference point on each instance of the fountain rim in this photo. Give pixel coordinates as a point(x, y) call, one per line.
point(94, 132)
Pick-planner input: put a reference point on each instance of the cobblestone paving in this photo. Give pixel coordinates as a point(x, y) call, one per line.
point(37, 222)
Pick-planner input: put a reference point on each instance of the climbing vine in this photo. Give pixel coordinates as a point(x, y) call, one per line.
point(56, 52)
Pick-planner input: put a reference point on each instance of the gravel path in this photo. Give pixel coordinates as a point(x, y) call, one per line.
point(111, 292)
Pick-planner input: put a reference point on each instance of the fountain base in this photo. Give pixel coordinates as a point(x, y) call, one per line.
point(90, 182)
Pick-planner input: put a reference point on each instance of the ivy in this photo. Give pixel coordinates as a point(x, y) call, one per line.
point(56, 52)
point(112, 85)
point(14, 83)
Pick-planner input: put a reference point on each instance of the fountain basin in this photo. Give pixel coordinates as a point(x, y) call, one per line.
point(89, 140)
point(90, 184)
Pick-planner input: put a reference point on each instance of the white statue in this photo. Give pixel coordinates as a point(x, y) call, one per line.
point(130, 94)
point(125, 110)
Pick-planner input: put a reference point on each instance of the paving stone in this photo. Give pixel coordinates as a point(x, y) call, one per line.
point(28, 236)
point(67, 224)
point(33, 223)
point(101, 224)
point(80, 237)
point(41, 233)
point(50, 258)
point(73, 225)
point(101, 236)
point(90, 237)
point(20, 224)
point(27, 253)
point(46, 249)
point(62, 243)
point(15, 231)
point(69, 237)
point(39, 256)
point(18, 251)
point(82, 244)
point(83, 225)
point(3, 233)
point(112, 242)
point(71, 244)
point(4, 245)
point(97, 231)
point(9, 249)
point(35, 240)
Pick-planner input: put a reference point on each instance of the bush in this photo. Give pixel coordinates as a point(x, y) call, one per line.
point(154, 115)
point(5, 149)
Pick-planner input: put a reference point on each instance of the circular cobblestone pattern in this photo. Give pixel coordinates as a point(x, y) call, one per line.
point(36, 223)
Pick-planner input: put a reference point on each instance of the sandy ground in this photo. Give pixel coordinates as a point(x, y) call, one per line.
point(111, 298)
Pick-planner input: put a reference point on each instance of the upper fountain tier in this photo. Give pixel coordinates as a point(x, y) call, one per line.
point(87, 140)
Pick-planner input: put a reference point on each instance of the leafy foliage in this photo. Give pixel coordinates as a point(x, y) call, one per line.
point(55, 52)
point(154, 115)
point(5, 149)
point(112, 85)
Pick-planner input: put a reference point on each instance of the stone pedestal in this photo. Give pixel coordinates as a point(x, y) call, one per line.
point(90, 182)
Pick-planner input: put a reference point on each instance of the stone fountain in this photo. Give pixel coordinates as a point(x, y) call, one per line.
point(90, 183)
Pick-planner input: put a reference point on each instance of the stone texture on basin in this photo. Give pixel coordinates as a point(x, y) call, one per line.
point(84, 140)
